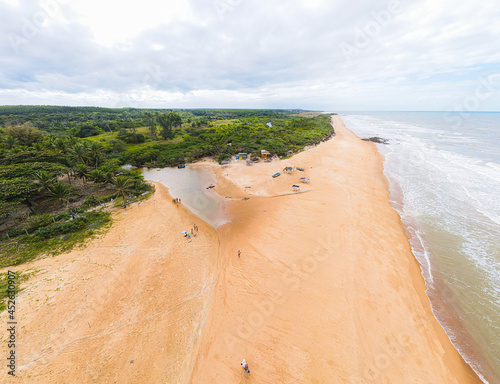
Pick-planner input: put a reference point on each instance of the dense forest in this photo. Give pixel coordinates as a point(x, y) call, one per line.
point(91, 121)
point(57, 164)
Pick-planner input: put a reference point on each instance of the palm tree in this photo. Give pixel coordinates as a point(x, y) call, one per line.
point(10, 142)
point(15, 150)
point(61, 191)
point(72, 140)
point(123, 186)
point(82, 172)
point(97, 176)
point(68, 162)
point(79, 152)
point(38, 147)
point(135, 176)
point(45, 180)
point(61, 145)
point(49, 140)
point(96, 150)
point(150, 121)
point(108, 177)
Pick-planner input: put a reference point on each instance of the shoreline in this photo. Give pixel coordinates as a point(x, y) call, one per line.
point(445, 306)
point(423, 332)
point(326, 288)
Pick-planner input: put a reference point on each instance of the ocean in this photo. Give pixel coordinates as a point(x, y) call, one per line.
point(444, 175)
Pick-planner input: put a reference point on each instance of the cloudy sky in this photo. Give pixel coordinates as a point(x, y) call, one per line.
point(333, 55)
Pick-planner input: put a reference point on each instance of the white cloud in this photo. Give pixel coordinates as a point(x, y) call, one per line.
point(259, 54)
point(115, 21)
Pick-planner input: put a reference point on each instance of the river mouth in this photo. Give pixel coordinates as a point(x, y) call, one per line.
point(190, 185)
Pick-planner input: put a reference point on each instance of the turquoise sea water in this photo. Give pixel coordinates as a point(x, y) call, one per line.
point(444, 174)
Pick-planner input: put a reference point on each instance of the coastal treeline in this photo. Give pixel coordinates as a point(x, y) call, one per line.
point(92, 121)
point(167, 137)
point(58, 163)
point(50, 187)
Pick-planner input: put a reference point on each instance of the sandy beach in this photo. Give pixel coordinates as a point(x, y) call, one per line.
point(326, 289)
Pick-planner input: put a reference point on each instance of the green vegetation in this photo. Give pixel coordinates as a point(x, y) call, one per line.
point(49, 186)
point(53, 239)
point(62, 161)
point(4, 282)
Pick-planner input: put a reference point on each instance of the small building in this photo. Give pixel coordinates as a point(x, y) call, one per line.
point(270, 125)
point(242, 156)
point(265, 154)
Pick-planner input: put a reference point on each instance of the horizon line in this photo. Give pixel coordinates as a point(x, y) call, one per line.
point(261, 108)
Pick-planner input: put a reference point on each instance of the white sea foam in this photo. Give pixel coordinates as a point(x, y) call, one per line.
point(450, 183)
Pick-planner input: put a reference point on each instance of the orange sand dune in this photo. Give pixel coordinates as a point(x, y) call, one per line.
point(326, 289)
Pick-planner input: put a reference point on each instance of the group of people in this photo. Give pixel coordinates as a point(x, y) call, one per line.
point(193, 232)
point(176, 201)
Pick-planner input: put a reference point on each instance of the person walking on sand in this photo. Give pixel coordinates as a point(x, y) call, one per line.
point(245, 367)
point(239, 254)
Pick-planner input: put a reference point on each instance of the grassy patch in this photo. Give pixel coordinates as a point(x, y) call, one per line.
point(108, 136)
point(4, 281)
point(54, 239)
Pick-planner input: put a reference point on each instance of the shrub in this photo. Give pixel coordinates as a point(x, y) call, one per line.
point(95, 218)
point(88, 130)
point(57, 229)
point(131, 138)
point(16, 232)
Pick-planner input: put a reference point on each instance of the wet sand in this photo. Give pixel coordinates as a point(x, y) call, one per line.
point(326, 289)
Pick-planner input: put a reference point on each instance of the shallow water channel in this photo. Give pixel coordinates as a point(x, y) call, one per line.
point(190, 185)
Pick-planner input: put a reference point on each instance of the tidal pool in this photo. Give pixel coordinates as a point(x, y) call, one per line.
point(190, 185)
